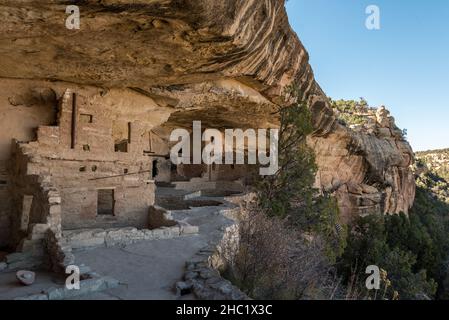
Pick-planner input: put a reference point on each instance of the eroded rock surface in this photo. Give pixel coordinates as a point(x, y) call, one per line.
point(368, 168)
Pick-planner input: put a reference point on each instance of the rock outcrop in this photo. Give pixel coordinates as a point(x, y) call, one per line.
point(368, 167)
point(223, 62)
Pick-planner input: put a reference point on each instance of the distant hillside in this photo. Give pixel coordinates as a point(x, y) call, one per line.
point(432, 172)
point(437, 161)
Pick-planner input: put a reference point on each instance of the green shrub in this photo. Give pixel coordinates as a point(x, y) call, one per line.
point(381, 241)
point(348, 109)
point(289, 194)
point(413, 249)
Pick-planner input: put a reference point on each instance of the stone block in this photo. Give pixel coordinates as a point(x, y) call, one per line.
point(193, 195)
point(133, 234)
point(189, 275)
point(98, 233)
point(158, 233)
point(213, 280)
point(55, 293)
point(36, 236)
point(239, 296)
point(29, 263)
point(53, 193)
point(111, 283)
point(188, 229)
point(93, 275)
point(17, 257)
point(68, 260)
point(110, 242)
point(35, 297)
point(148, 234)
point(34, 169)
point(115, 233)
point(80, 234)
point(224, 287)
point(32, 247)
point(86, 286)
point(39, 228)
point(55, 209)
point(90, 242)
point(54, 200)
point(183, 288)
point(207, 273)
point(84, 270)
point(91, 286)
point(172, 232)
point(38, 231)
point(44, 179)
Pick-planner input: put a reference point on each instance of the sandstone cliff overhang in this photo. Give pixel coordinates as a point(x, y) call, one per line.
point(226, 62)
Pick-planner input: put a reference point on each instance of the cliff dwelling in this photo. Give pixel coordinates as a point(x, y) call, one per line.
point(85, 128)
point(90, 158)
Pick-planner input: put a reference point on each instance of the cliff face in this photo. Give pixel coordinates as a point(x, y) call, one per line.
point(223, 62)
point(368, 166)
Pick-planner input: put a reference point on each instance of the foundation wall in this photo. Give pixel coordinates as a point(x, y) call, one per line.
point(217, 172)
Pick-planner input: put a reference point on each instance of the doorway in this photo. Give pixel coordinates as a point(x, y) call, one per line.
point(105, 202)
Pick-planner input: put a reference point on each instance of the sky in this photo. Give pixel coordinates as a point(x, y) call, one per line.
point(404, 65)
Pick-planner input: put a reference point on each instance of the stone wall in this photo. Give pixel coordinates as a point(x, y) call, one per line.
point(5, 205)
point(23, 107)
point(91, 238)
point(202, 274)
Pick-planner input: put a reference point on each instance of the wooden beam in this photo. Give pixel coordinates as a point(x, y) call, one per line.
point(120, 175)
point(74, 120)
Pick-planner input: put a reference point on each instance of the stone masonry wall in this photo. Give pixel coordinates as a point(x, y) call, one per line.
point(80, 166)
point(5, 205)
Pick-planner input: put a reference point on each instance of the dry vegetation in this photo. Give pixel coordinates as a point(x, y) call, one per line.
point(274, 261)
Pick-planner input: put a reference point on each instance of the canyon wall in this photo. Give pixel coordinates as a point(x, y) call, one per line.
point(225, 63)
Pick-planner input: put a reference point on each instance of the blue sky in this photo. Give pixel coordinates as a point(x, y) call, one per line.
point(404, 65)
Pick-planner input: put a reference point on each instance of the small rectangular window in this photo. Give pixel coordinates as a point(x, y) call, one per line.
point(121, 146)
point(86, 118)
point(121, 133)
point(105, 202)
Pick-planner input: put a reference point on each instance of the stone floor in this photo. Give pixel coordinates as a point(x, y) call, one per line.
point(149, 269)
point(146, 270)
point(10, 288)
